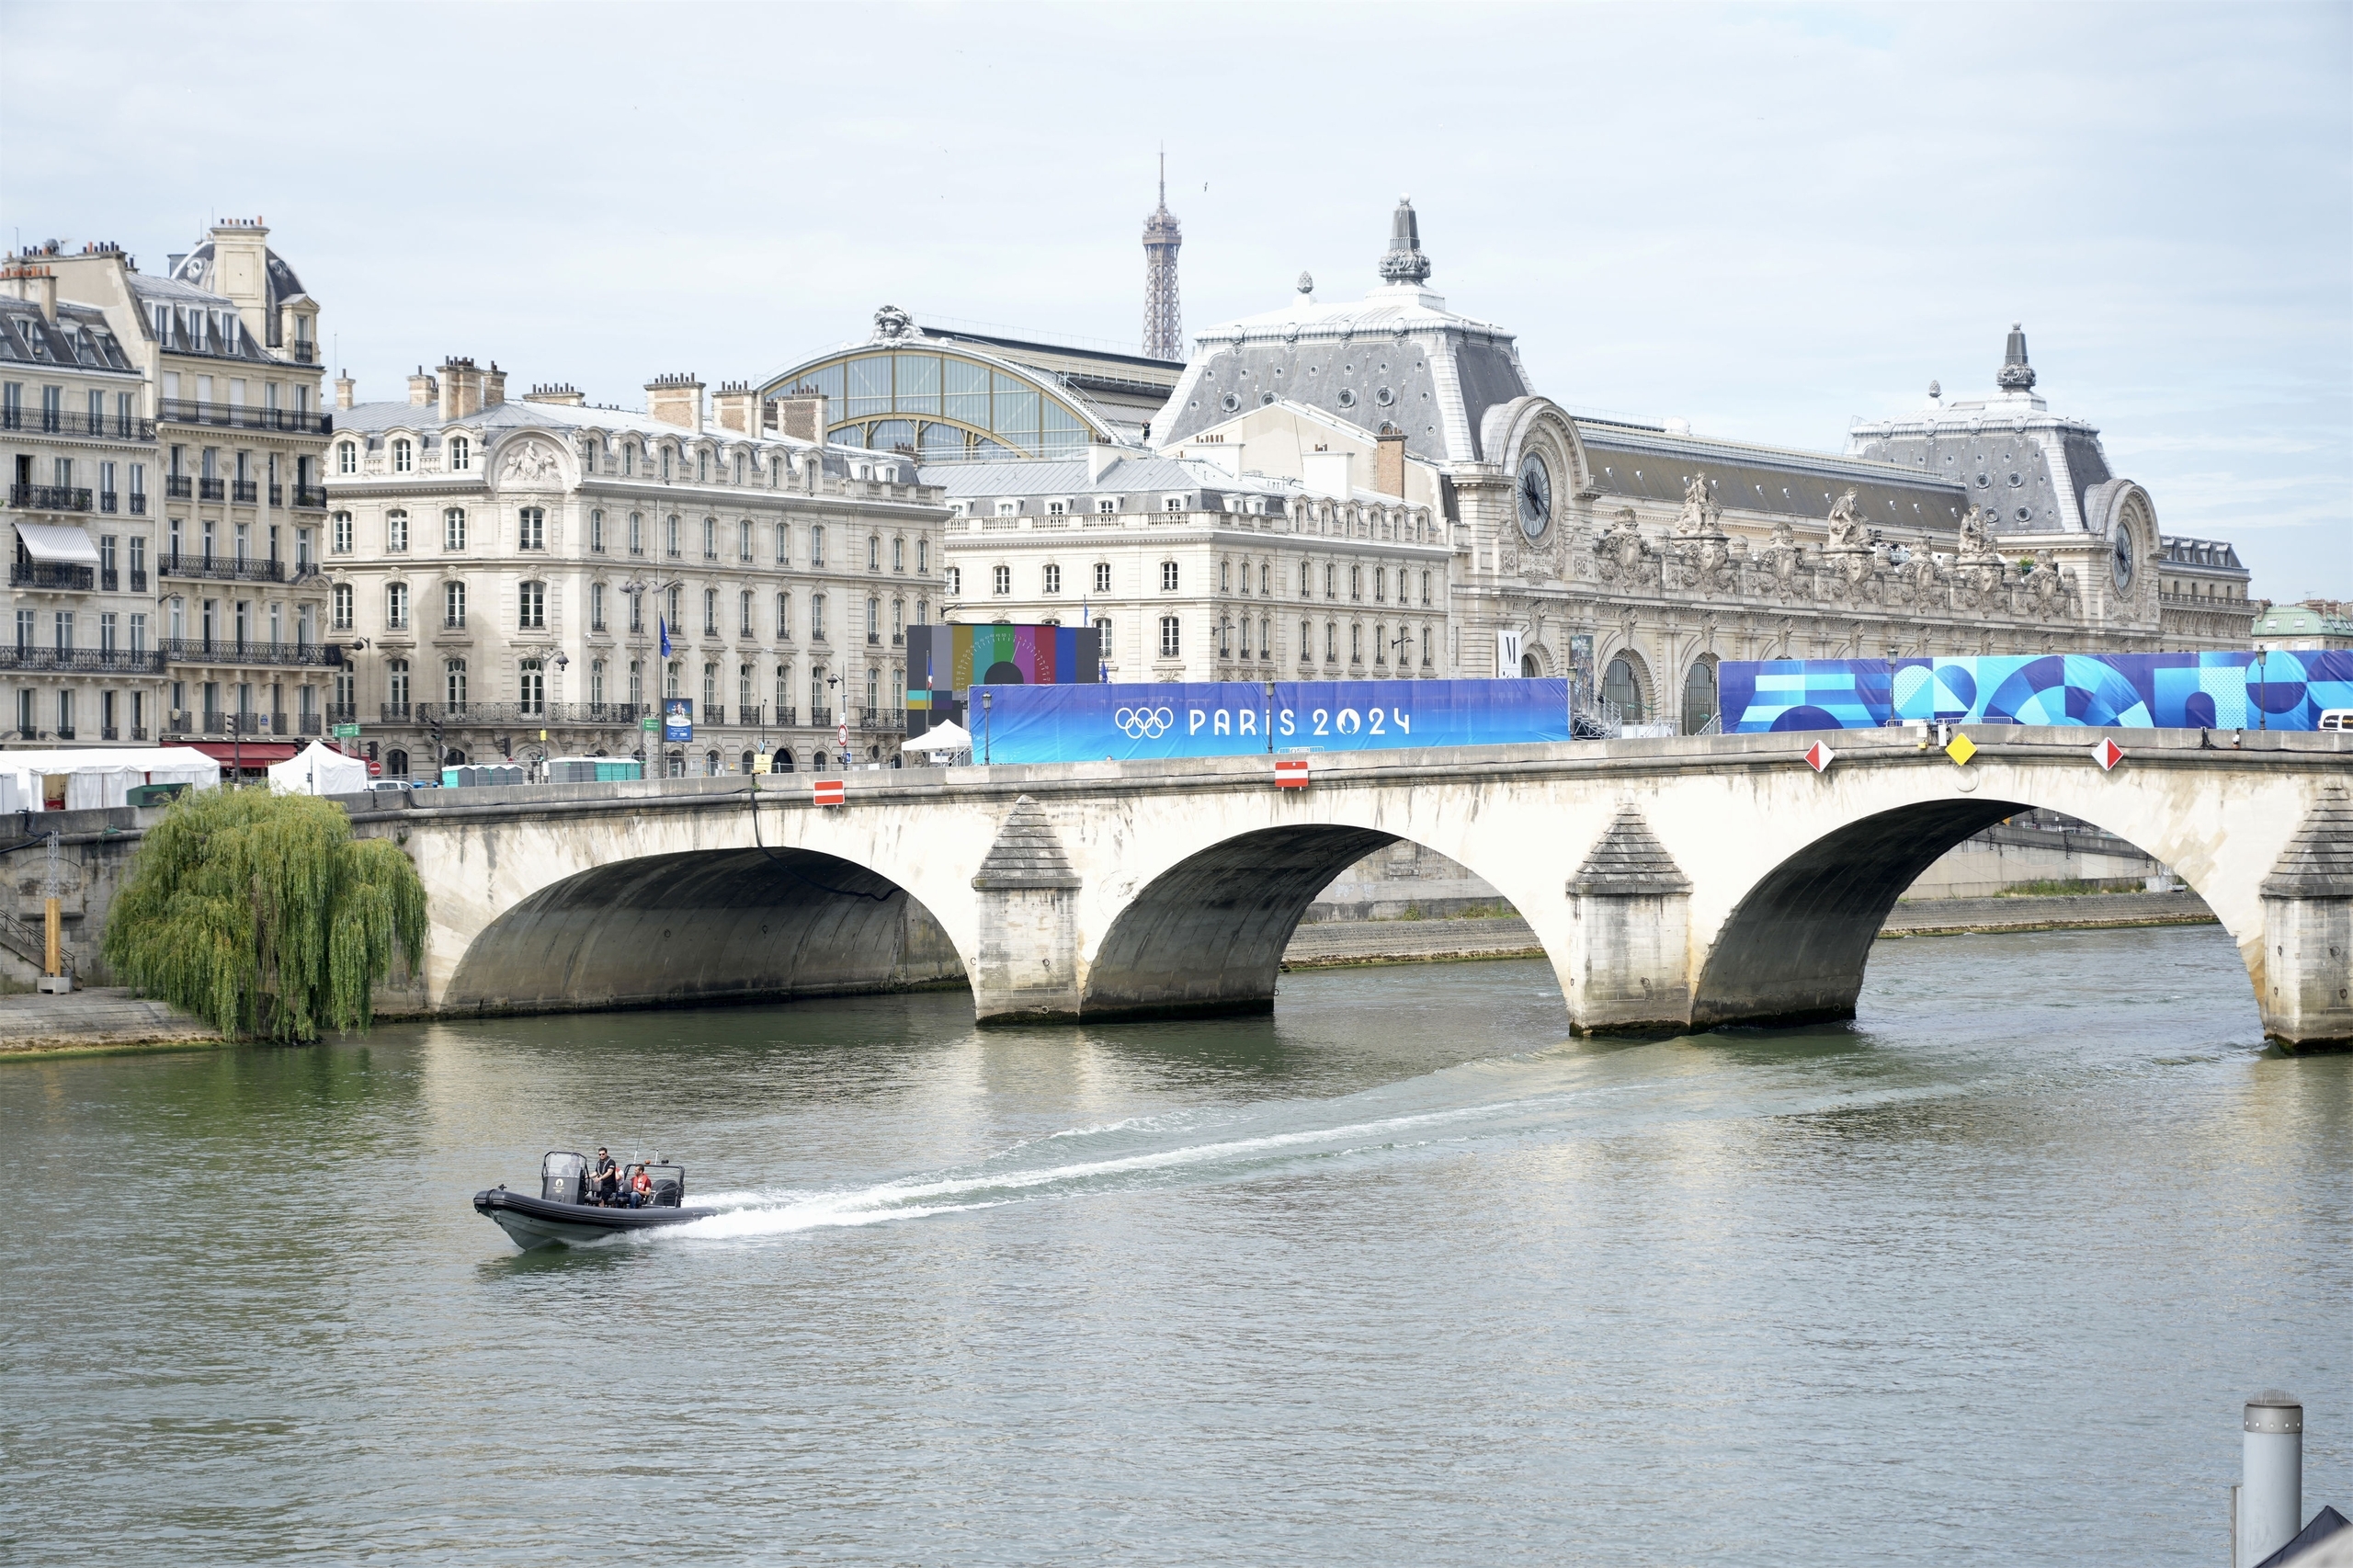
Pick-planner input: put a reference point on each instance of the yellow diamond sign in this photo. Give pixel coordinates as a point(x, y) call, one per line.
point(1961, 749)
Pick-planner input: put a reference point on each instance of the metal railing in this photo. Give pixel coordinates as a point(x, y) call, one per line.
point(172, 564)
point(821, 718)
point(343, 712)
point(106, 427)
point(303, 353)
point(138, 503)
point(536, 714)
point(245, 490)
point(235, 651)
point(179, 486)
point(49, 497)
point(65, 732)
point(310, 497)
point(139, 579)
point(52, 574)
point(188, 411)
point(390, 713)
point(309, 724)
point(85, 661)
point(109, 580)
point(211, 490)
point(888, 720)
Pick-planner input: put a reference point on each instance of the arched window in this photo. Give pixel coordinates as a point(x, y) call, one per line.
point(453, 675)
point(628, 458)
point(671, 535)
point(462, 454)
point(346, 456)
point(453, 529)
point(743, 697)
point(1225, 576)
point(1618, 686)
point(711, 612)
point(403, 455)
point(396, 763)
point(339, 534)
point(596, 684)
point(711, 538)
point(396, 530)
point(1699, 694)
point(873, 552)
point(396, 607)
point(816, 618)
point(453, 607)
point(743, 533)
point(343, 607)
point(817, 545)
point(873, 620)
point(637, 533)
point(596, 533)
point(531, 606)
point(873, 687)
point(784, 616)
point(744, 613)
point(396, 688)
point(531, 689)
point(898, 555)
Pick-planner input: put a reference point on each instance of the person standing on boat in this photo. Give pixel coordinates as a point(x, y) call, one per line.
point(606, 1178)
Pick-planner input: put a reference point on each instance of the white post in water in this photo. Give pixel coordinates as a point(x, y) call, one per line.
point(2271, 1490)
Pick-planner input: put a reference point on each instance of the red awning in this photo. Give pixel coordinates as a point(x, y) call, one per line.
point(251, 754)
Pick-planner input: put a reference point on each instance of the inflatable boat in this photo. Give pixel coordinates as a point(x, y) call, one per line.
point(565, 1209)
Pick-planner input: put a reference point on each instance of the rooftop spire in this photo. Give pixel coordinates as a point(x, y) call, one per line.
point(1404, 262)
point(2016, 375)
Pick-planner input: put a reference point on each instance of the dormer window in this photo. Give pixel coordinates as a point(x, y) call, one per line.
point(1008, 508)
point(404, 456)
point(1055, 508)
point(346, 456)
point(1109, 503)
point(629, 459)
point(1173, 503)
point(462, 454)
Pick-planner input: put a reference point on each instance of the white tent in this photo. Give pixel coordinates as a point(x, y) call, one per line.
point(104, 776)
point(940, 737)
point(319, 771)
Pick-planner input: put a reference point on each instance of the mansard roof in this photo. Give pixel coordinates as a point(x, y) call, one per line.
point(1642, 462)
point(1135, 473)
point(79, 339)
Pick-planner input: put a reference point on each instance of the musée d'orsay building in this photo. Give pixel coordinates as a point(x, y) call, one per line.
point(1308, 469)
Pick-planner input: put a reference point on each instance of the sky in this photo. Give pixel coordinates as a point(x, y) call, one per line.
point(1768, 221)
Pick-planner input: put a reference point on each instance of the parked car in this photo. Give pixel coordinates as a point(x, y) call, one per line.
point(2336, 719)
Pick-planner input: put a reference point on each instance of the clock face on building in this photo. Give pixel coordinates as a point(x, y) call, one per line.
point(1535, 497)
point(2123, 563)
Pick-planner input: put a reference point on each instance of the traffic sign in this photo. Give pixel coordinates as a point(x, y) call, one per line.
point(2107, 753)
point(1819, 756)
point(826, 791)
point(1291, 773)
point(346, 732)
point(649, 723)
point(1961, 749)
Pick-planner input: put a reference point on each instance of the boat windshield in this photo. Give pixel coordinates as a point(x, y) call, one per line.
point(669, 1184)
point(562, 1175)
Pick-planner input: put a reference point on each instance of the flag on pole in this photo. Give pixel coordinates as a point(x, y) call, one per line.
point(663, 621)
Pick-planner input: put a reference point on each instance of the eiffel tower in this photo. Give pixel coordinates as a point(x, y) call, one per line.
point(1164, 321)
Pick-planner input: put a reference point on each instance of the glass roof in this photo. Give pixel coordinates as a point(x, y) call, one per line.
point(945, 407)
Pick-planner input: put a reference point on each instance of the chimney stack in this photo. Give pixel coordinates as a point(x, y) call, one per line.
point(800, 415)
point(675, 400)
point(1389, 462)
point(462, 387)
point(422, 388)
point(736, 408)
point(344, 388)
point(562, 392)
point(38, 284)
point(493, 386)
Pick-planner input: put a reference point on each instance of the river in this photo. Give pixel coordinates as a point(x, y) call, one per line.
point(1399, 1275)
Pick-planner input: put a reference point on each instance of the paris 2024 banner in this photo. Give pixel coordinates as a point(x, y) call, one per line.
point(1091, 723)
point(2186, 692)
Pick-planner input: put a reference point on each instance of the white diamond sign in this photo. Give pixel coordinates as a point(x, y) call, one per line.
point(1819, 756)
point(2107, 753)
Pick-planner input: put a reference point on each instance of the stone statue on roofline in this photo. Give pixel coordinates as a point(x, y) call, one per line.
point(1847, 531)
point(891, 323)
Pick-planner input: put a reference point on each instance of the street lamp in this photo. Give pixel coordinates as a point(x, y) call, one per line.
point(988, 700)
point(841, 720)
point(638, 587)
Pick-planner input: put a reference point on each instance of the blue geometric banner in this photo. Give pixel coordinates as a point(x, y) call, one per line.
point(1083, 723)
point(2186, 692)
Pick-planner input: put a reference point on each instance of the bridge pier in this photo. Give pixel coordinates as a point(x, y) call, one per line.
point(1026, 966)
point(2307, 991)
point(1629, 917)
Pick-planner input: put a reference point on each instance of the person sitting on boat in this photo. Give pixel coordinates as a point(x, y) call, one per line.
point(605, 1180)
point(640, 1189)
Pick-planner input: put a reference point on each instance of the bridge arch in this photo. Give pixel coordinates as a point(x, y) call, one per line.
point(704, 925)
point(1795, 947)
point(1208, 934)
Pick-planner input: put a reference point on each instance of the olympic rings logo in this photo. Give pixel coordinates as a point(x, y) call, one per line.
point(1144, 724)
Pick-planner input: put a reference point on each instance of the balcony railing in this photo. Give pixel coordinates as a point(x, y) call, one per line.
point(109, 580)
point(138, 503)
point(245, 491)
point(172, 564)
point(139, 732)
point(49, 497)
point(536, 714)
point(52, 574)
point(188, 410)
point(784, 718)
point(309, 724)
point(106, 427)
point(182, 721)
point(139, 579)
point(179, 486)
point(64, 732)
point(310, 497)
point(303, 353)
point(108, 501)
point(821, 718)
point(211, 490)
point(109, 732)
point(83, 660)
point(888, 720)
point(231, 650)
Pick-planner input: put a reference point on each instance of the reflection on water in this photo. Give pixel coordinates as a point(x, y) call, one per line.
point(1397, 1275)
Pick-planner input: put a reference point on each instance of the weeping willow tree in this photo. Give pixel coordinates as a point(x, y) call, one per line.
point(263, 916)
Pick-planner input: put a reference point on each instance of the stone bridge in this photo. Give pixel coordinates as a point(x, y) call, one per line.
point(1674, 883)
